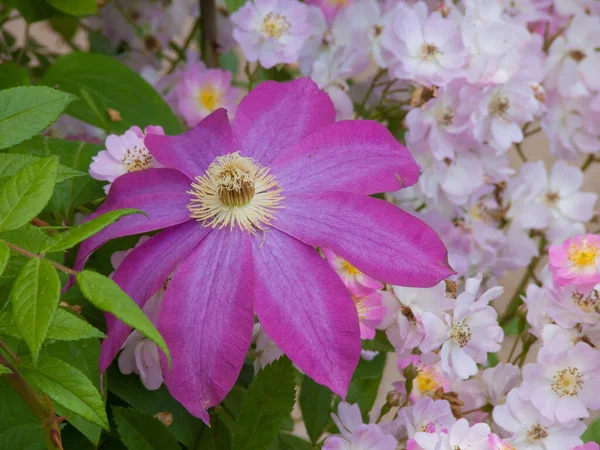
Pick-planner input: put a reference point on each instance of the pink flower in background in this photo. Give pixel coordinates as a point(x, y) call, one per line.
point(498, 444)
point(271, 31)
point(370, 313)
point(202, 91)
point(435, 416)
point(242, 207)
point(356, 281)
point(124, 154)
point(329, 7)
point(576, 261)
point(588, 446)
point(460, 436)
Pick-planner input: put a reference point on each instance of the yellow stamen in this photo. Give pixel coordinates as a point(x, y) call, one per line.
point(584, 252)
point(349, 268)
point(209, 98)
point(427, 381)
point(235, 190)
point(275, 25)
point(361, 308)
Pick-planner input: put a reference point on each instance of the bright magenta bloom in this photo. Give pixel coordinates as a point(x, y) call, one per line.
point(243, 207)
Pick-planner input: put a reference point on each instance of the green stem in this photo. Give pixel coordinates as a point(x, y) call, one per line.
point(370, 90)
point(588, 162)
point(25, 43)
point(514, 347)
point(186, 45)
point(532, 132)
point(24, 252)
point(520, 152)
point(208, 33)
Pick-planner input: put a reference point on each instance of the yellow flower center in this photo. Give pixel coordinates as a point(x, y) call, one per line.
point(275, 25)
point(209, 98)
point(137, 158)
point(361, 308)
point(583, 253)
point(567, 382)
point(349, 268)
point(235, 190)
point(427, 380)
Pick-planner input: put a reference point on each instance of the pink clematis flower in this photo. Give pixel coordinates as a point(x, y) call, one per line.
point(201, 92)
point(124, 154)
point(242, 207)
point(577, 261)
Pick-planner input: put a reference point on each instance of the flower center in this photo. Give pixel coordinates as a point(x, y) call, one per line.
point(408, 313)
point(583, 252)
point(567, 382)
point(337, 3)
point(429, 51)
point(349, 268)
point(577, 55)
point(275, 25)
point(537, 433)
point(552, 198)
point(498, 106)
point(461, 333)
point(235, 190)
point(427, 380)
point(208, 98)
point(444, 116)
point(589, 303)
point(361, 308)
point(137, 158)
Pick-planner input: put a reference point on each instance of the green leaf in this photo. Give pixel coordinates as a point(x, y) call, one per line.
point(217, 437)
point(28, 237)
point(267, 405)
point(4, 255)
point(65, 326)
point(24, 195)
point(75, 7)
point(78, 234)
point(512, 327)
point(34, 298)
point(592, 433)
point(229, 61)
point(11, 163)
point(19, 428)
point(291, 442)
point(110, 84)
point(365, 383)
point(140, 431)
point(67, 386)
point(13, 75)
point(106, 295)
point(379, 344)
point(28, 110)
point(32, 10)
point(76, 155)
point(234, 5)
point(5, 370)
point(315, 403)
point(185, 427)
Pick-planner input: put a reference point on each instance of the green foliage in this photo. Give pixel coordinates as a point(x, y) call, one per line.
point(267, 405)
point(67, 386)
point(4, 256)
point(28, 237)
point(379, 344)
point(365, 383)
point(19, 429)
point(315, 403)
point(292, 442)
point(120, 89)
point(32, 10)
point(34, 298)
point(141, 431)
point(5, 370)
point(25, 194)
point(106, 295)
point(234, 5)
point(26, 111)
point(65, 326)
point(78, 234)
point(592, 434)
point(11, 163)
point(12, 75)
point(75, 7)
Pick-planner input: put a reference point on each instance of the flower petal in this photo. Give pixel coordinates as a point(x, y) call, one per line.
point(377, 237)
point(144, 271)
point(193, 151)
point(357, 156)
point(160, 193)
point(306, 309)
point(274, 116)
point(206, 319)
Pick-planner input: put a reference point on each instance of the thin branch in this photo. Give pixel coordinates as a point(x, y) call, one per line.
point(208, 33)
point(28, 254)
point(25, 43)
point(588, 162)
point(532, 132)
point(520, 152)
point(186, 45)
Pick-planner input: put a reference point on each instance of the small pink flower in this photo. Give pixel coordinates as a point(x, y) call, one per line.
point(356, 281)
point(370, 313)
point(124, 153)
point(201, 92)
point(329, 7)
point(577, 261)
point(588, 446)
point(498, 444)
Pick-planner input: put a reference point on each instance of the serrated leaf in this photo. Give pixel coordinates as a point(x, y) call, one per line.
point(292, 442)
point(124, 90)
point(24, 195)
point(34, 298)
point(19, 428)
point(78, 234)
point(365, 383)
point(267, 405)
point(67, 386)
point(315, 403)
point(65, 326)
point(4, 255)
point(128, 388)
point(378, 344)
point(75, 7)
point(12, 75)
point(217, 437)
point(5, 370)
point(11, 163)
point(106, 295)
point(28, 110)
point(76, 155)
point(28, 237)
point(140, 431)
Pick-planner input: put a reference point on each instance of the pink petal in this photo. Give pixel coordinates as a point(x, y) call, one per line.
point(207, 320)
point(144, 271)
point(375, 236)
point(274, 116)
point(160, 193)
point(353, 156)
point(304, 307)
point(193, 151)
